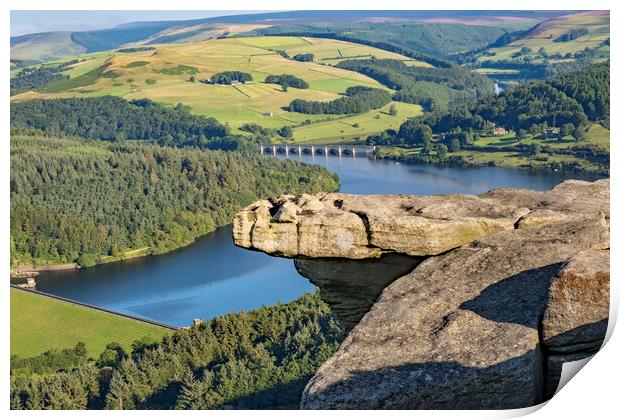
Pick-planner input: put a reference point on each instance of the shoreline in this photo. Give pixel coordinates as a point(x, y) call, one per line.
point(32, 270)
point(479, 164)
point(24, 271)
point(98, 308)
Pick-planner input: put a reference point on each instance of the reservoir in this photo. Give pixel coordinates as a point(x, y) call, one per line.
point(212, 277)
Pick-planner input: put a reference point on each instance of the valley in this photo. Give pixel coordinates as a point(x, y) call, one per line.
point(163, 74)
point(154, 158)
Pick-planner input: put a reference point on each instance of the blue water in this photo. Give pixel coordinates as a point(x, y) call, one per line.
point(212, 277)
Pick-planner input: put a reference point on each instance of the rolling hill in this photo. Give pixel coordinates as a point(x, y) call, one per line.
point(44, 47)
point(171, 74)
point(51, 45)
point(560, 40)
point(546, 35)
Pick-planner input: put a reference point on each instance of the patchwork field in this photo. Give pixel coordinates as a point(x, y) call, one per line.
point(356, 126)
point(597, 24)
point(163, 75)
point(327, 51)
point(39, 323)
point(499, 155)
point(596, 134)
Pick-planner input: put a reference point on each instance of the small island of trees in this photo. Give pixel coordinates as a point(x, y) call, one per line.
point(357, 99)
point(303, 57)
point(572, 34)
point(229, 78)
point(287, 80)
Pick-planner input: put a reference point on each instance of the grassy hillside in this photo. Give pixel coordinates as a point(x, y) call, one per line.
point(198, 32)
point(561, 124)
point(200, 29)
point(357, 126)
point(260, 359)
point(511, 152)
point(39, 323)
point(433, 39)
point(44, 47)
point(163, 75)
point(546, 34)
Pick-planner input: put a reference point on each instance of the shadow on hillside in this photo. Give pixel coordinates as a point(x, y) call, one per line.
point(281, 397)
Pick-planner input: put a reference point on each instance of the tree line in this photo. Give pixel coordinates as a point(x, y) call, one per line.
point(135, 49)
point(357, 99)
point(284, 131)
point(287, 80)
point(560, 107)
point(408, 40)
point(433, 88)
point(230, 77)
point(33, 78)
point(81, 201)
point(572, 34)
point(304, 57)
point(256, 360)
point(572, 99)
point(115, 119)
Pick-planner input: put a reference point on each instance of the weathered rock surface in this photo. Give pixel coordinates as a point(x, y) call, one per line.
point(351, 287)
point(570, 197)
point(460, 331)
point(576, 315)
point(361, 227)
point(484, 297)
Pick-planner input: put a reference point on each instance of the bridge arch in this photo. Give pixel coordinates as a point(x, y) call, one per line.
point(348, 150)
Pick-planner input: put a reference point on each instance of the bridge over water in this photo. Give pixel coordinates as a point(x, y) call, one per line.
point(317, 149)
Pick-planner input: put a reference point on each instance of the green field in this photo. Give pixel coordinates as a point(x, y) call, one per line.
point(39, 323)
point(46, 46)
point(597, 24)
point(500, 156)
point(595, 134)
point(345, 129)
point(491, 71)
point(163, 75)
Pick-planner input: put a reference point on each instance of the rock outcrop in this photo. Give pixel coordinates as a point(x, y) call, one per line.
point(455, 301)
point(351, 287)
point(460, 331)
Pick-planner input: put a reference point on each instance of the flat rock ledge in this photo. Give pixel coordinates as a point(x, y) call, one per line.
point(361, 227)
point(484, 299)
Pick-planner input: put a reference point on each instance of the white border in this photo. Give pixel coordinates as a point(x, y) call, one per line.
point(592, 394)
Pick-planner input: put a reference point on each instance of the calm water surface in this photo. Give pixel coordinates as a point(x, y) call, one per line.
point(212, 277)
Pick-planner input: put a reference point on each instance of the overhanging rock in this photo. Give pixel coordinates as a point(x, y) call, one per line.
point(465, 301)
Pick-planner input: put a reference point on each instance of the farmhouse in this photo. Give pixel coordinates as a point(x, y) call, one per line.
point(499, 131)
